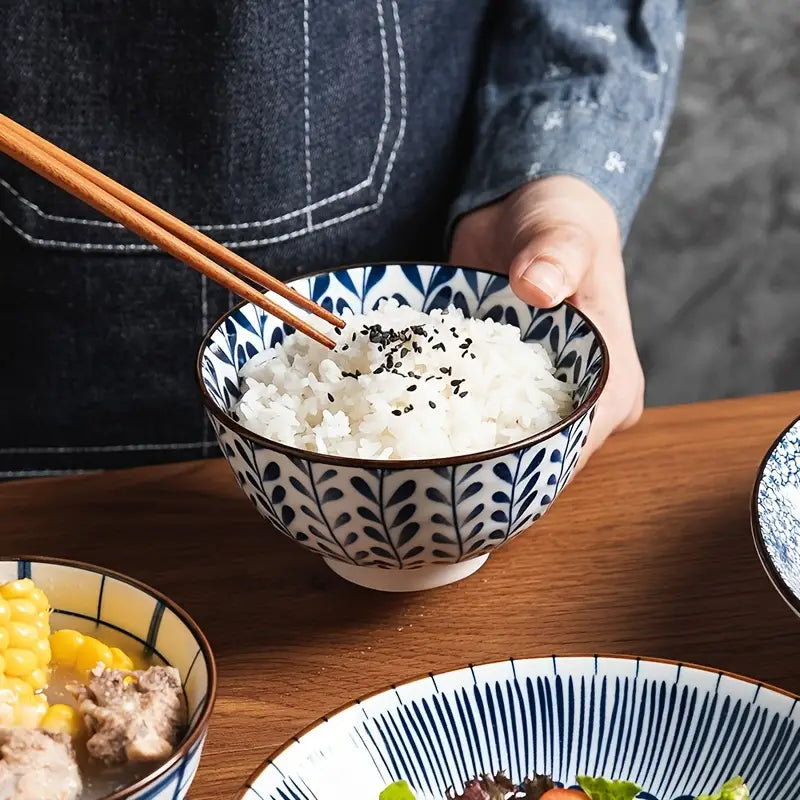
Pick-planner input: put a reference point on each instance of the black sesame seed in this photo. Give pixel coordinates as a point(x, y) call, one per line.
point(463, 394)
point(404, 352)
point(412, 388)
point(330, 397)
point(472, 355)
point(397, 412)
point(439, 346)
point(345, 346)
point(431, 404)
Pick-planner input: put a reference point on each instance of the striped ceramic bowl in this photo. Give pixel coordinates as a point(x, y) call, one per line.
point(676, 730)
point(93, 600)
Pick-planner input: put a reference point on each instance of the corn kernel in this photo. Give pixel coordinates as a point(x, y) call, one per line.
point(2, 665)
point(121, 660)
point(91, 653)
point(61, 718)
point(41, 649)
point(43, 625)
point(20, 687)
point(19, 588)
point(22, 610)
point(38, 679)
point(4, 638)
point(39, 599)
point(20, 663)
point(30, 710)
point(5, 611)
point(22, 635)
point(65, 645)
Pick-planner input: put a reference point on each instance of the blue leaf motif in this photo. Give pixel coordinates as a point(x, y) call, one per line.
point(472, 280)
point(540, 330)
point(363, 488)
point(403, 492)
point(408, 533)
point(511, 316)
point(327, 475)
point(440, 519)
point(440, 300)
point(501, 497)
point(350, 539)
point(474, 513)
point(404, 514)
point(460, 302)
point(525, 504)
point(342, 305)
point(278, 495)
point(299, 487)
point(555, 456)
point(475, 531)
point(374, 275)
point(432, 493)
point(332, 495)
point(342, 519)
point(411, 273)
point(240, 318)
point(440, 538)
point(495, 313)
point(414, 551)
point(374, 534)
point(470, 491)
point(309, 512)
point(368, 514)
point(554, 339)
point(382, 552)
point(320, 286)
point(276, 338)
point(343, 276)
point(441, 275)
point(476, 545)
point(503, 472)
point(468, 474)
point(499, 516)
point(287, 515)
point(535, 461)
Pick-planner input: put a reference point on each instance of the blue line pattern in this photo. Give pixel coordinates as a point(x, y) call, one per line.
point(676, 731)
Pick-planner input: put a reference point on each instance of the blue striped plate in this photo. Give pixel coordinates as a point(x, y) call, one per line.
point(676, 730)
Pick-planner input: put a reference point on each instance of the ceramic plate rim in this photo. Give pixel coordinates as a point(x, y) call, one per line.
point(201, 723)
point(295, 739)
point(224, 418)
point(787, 595)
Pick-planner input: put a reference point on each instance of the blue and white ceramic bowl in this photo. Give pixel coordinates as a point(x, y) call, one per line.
point(91, 599)
point(405, 525)
point(677, 731)
point(775, 514)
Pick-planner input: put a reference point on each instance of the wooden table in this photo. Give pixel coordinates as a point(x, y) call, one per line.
point(648, 552)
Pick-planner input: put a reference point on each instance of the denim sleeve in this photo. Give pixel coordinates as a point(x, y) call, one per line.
point(576, 87)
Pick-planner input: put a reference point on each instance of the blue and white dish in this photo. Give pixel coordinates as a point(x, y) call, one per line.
point(84, 597)
point(405, 525)
point(775, 514)
point(675, 730)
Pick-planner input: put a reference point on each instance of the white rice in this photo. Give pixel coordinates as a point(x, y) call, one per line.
point(454, 386)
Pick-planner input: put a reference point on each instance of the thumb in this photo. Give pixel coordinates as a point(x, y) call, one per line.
point(550, 267)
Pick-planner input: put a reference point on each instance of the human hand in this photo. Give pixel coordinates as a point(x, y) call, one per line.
point(558, 239)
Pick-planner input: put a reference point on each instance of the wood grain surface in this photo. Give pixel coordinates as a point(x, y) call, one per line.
point(648, 552)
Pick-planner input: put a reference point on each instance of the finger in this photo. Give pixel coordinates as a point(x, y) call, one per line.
point(550, 266)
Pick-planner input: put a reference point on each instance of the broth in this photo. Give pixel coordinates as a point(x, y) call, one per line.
point(99, 780)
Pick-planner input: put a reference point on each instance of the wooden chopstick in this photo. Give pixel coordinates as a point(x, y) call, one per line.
point(155, 225)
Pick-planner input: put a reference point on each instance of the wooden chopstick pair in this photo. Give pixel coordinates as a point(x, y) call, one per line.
point(157, 226)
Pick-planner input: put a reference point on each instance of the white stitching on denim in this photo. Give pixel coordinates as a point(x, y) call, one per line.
point(107, 448)
point(93, 247)
point(307, 209)
point(389, 166)
point(306, 111)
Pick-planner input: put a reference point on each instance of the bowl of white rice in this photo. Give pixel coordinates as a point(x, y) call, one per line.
point(445, 422)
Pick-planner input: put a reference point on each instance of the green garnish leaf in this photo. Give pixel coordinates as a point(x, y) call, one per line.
point(734, 789)
point(602, 789)
point(399, 790)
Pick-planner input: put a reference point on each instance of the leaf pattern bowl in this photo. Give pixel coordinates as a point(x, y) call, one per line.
point(673, 729)
point(775, 514)
point(405, 525)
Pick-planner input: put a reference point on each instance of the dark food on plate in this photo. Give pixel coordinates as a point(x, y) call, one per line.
point(541, 787)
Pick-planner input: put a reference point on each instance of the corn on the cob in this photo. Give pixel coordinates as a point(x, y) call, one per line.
point(74, 650)
point(24, 630)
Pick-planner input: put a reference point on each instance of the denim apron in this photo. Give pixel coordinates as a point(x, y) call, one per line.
point(302, 133)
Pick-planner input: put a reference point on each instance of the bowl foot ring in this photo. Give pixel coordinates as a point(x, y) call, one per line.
point(406, 580)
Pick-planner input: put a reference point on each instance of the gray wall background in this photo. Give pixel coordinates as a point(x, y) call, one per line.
point(714, 255)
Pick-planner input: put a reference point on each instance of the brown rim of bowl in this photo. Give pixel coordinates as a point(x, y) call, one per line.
point(201, 723)
point(399, 464)
point(789, 597)
point(267, 762)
